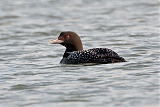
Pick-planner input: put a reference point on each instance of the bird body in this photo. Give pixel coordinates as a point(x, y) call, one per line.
point(75, 54)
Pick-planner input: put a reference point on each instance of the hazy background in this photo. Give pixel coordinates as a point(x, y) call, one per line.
point(30, 73)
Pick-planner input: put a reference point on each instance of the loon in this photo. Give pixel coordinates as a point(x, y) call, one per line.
point(74, 53)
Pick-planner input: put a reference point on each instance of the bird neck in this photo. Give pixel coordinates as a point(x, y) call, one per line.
point(69, 50)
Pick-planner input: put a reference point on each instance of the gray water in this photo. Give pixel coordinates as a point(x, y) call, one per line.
point(30, 73)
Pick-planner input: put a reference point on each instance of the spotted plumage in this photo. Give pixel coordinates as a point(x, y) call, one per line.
point(95, 55)
point(75, 54)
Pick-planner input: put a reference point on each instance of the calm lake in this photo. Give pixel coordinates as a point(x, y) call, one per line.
point(30, 73)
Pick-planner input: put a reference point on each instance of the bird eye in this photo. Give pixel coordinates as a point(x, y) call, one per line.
point(67, 37)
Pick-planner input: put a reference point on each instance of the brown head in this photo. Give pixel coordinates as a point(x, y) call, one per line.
point(70, 40)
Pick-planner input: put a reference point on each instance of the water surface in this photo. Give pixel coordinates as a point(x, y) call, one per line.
point(30, 73)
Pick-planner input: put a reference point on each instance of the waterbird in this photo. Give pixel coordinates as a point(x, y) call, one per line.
point(74, 53)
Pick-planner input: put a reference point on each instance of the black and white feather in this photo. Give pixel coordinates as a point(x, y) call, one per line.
point(95, 55)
